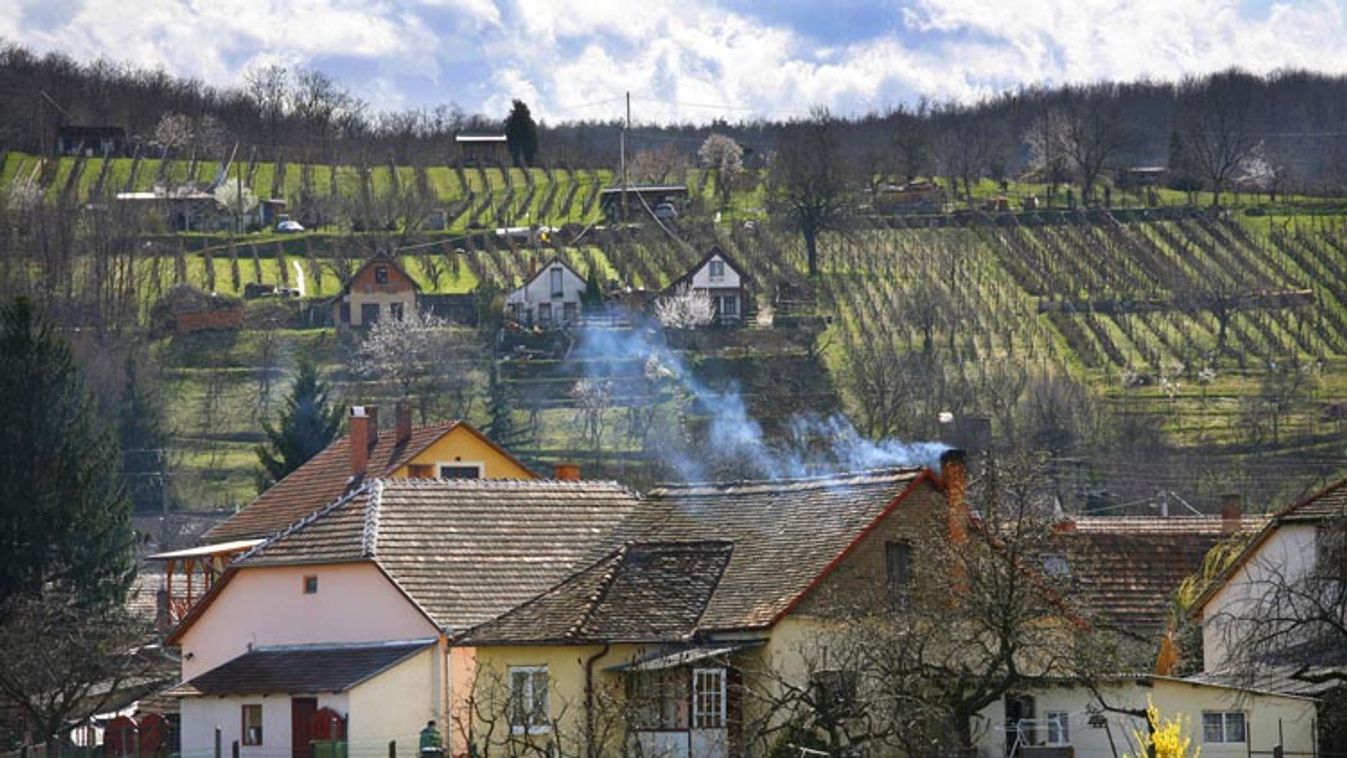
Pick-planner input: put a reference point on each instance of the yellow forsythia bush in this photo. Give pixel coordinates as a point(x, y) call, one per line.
point(1167, 736)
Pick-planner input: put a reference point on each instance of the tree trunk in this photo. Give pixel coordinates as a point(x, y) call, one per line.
point(811, 251)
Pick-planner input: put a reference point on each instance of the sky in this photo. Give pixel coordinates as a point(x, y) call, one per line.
point(689, 60)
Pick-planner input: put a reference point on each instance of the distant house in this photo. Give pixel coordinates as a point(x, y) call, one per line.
point(380, 289)
point(480, 148)
point(913, 197)
point(550, 298)
point(640, 197)
point(724, 281)
point(185, 210)
point(91, 141)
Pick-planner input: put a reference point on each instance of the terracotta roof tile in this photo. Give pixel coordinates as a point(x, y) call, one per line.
point(645, 592)
point(465, 550)
point(320, 481)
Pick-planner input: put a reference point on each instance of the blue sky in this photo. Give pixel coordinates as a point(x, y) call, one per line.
point(689, 60)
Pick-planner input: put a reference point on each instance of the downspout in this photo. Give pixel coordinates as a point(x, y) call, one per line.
point(446, 695)
point(590, 750)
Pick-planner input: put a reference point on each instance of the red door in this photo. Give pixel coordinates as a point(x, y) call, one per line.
point(302, 710)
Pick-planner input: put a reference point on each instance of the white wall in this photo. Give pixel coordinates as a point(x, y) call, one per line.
point(540, 291)
point(1262, 714)
point(701, 278)
point(1287, 553)
point(395, 706)
point(201, 715)
point(355, 602)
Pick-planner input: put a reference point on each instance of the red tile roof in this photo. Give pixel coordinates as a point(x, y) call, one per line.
point(323, 479)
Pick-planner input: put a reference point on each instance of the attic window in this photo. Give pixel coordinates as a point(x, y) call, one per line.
point(557, 290)
point(717, 269)
point(421, 471)
point(381, 275)
point(461, 471)
point(311, 585)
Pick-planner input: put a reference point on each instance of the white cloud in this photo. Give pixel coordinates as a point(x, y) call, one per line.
point(679, 56)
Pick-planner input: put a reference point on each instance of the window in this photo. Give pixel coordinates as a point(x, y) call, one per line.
point(568, 313)
point(660, 699)
point(708, 698)
point(556, 283)
point(310, 585)
point(369, 314)
point(421, 471)
point(252, 724)
point(898, 571)
point(729, 306)
point(381, 275)
point(717, 270)
point(461, 471)
point(1225, 726)
point(395, 310)
point(528, 700)
point(545, 314)
point(1056, 566)
point(1059, 728)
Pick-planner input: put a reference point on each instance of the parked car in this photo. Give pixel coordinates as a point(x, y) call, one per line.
point(665, 212)
point(288, 227)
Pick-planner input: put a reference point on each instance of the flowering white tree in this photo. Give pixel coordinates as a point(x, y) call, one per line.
point(724, 156)
point(416, 358)
point(686, 308)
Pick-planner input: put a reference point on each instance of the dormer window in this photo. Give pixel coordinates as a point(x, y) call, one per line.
point(381, 275)
point(717, 270)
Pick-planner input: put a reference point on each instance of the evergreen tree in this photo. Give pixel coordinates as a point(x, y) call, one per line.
point(592, 297)
point(500, 403)
point(521, 135)
point(309, 423)
point(65, 525)
point(144, 441)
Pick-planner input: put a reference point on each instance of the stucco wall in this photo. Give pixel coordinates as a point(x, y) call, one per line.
point(395, 706)
point(1287, 553)
point(461, 446)
point(201, 715)
point(355, 602)
point(701, 278)
point(1263, 714)
point(539, 290)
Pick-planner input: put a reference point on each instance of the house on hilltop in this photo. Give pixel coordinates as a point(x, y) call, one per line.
point(724, 282)
point(91, 141)
point(552, 297)
point(379, 289)
point(481, 148)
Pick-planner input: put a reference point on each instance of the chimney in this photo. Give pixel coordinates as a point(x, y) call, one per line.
point(1232, 514)
point(404, 421)
point(566, 472)
point(1065, 525)
point(954, 475)
point(364, 433)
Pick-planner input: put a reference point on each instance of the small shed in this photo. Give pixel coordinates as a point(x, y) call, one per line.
point(92, 141)
point(481, 148)
point(379, 289)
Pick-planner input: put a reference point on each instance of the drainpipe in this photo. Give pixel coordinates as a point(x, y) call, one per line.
point(590, 750)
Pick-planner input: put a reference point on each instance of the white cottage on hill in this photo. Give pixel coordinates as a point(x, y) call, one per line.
point(724, 281)
point(550, 298)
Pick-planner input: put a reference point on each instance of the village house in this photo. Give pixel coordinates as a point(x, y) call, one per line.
point(91, 141)
point(379, 289)
point(481, 148)
point(551, 297)
point(724, 282)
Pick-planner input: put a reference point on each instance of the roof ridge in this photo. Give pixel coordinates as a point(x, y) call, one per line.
point(503, 483)
point(817, 480)
point(605, 583)
point(369, 537)
point(303, 522)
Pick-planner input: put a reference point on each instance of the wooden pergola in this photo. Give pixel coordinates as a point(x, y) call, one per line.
point(199, 567)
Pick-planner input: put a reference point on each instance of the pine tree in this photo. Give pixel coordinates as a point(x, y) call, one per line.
point(521, 135)
point(140, 425)
point(65, 525)
point(500, 403)
point(592, 298)
point(309, 423)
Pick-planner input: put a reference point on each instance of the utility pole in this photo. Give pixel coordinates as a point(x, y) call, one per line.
point(623, 155)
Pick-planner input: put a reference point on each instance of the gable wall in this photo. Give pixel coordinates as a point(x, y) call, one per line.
point(539, 290)
point(701, 278)
point(462, 446)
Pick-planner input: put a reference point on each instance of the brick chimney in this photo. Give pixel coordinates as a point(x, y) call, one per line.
point(404, 422)
point(364, 433)
point(954, 475)
point(566, 472)
point(1064, 525)
point(1232, 513)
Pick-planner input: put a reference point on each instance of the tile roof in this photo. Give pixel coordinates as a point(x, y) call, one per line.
point(465, 550)
point(321, 480)
point(785, 533)
point(295, 669)
point(644, 592)
point(1124, 570)
point(1330, 502)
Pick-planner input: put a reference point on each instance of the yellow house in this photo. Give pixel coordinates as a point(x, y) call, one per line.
point(450, 450)
point(677, 639)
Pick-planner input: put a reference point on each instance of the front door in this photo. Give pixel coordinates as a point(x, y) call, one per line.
point(709, 737)
point(302, 710)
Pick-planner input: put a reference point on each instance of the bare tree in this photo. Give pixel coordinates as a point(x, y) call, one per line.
point(809, 182)
point(1046, 138)
point(1217, 127)
point(1095, 134)
point(593, 398)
